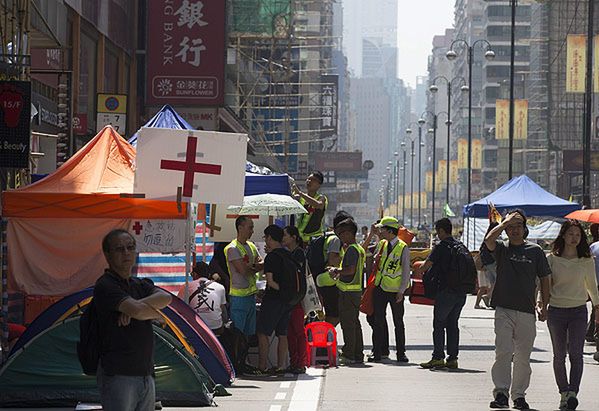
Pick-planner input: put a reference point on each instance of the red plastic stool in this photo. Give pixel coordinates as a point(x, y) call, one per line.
point(321, 334)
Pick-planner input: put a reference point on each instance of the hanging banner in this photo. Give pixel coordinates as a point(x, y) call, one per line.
point(502, 118)
point(462, 153)
point(428, 181)
point(521, 119)
point(408, 200)
point(400, 203)
point(477, 154)
point(438, 182)
point(443, 172)
point(453, 172)
point(423, 199)
point(576, 60)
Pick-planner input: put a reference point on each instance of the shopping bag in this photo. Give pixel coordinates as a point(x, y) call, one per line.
point(367, 301)
point(311, 301)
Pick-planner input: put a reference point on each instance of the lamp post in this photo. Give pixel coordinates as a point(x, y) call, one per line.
point(433, 89)
point(403, 195)
point(413, 154)
point(396, 154)
point(489, 55)
point(433, 131)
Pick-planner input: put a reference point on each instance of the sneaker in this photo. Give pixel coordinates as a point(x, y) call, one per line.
point(563, 400)
point(402, 358)
point(345, 361)
point(434, 363)
point(372, 358)
point(521, 404)
point(452, 364)
point(571, 401)
point(500, 401)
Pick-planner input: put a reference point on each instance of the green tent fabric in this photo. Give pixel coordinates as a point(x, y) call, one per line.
point(46, 372)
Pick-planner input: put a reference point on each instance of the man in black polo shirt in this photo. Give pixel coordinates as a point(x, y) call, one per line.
point(125, 306)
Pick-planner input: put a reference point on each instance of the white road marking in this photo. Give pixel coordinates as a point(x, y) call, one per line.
point(307, 390)
point(280, 396)
point(286, 384)
point(275, 408)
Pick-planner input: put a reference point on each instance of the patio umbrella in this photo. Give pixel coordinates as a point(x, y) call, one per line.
point(588, 215)
point(273, 205)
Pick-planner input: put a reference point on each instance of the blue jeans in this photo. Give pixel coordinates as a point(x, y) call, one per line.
point(567, 327)
point(448, 306)
point(126, 393)
point(243, 314)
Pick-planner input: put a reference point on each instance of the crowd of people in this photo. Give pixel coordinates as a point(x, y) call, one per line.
point(525, 285)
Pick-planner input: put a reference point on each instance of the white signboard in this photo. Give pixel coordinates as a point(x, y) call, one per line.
point(117, 121)
point(222, 225)
point(159, 236)
point(208, 166)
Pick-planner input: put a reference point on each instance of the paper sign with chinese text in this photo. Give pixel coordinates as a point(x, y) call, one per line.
point(159, 236)
point(576, 58)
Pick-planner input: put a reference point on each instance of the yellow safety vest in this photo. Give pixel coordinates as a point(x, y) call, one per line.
point(356, 282)
point(251, 288)
point(308, 221)
point(389, 272)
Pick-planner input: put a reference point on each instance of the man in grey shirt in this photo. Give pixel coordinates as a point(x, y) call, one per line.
point(519, 264)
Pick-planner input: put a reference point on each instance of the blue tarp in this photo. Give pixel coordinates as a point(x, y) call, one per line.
point(521, 192)
point(258, 180)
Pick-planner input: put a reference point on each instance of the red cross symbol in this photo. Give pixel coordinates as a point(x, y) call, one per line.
point(137, 227)
point(190, 167)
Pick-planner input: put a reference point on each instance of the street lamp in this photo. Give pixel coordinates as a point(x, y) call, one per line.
point(396, 190)
point(433, 89)
point(412, 154)
point(451, 55)
point(421, 122)
point(403, 194)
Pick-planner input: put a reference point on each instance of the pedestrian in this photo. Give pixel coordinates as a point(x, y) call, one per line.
point(519, 264)
point(207, 297)
point(296, 336)
point(449, 300)
point(348, 279)
point(592, 335)
point(572, 281)
point(322, 252)
point(311, 225)
point(125, 307)
point(392, 279)
point(274, 311)
point(244, 263)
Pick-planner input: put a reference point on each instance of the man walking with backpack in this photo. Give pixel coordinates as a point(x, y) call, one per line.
point(455, 274)
point(519, 264)
point(282, 293)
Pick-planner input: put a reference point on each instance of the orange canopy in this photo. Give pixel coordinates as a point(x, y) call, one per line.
point(90, 185)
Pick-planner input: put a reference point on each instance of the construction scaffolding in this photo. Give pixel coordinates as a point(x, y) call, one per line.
point(279, 79)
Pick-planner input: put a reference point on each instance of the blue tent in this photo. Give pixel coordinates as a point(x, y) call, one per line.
point(166, 117)
point(521, 192)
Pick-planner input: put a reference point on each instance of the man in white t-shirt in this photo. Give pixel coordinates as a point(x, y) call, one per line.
point(207, 297)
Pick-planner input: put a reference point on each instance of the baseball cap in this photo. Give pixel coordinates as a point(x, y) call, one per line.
point(388, 222)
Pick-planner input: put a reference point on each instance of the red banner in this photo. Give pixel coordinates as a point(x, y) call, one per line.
point(186, 52)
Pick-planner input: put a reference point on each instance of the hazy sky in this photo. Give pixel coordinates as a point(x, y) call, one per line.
point(419, 21)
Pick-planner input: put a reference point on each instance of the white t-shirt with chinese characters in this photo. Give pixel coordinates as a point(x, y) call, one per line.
point(206, 297)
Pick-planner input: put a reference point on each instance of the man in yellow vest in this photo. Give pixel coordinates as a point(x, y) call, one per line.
point(311, 225)
point(392, 279)
point(349, 282)
point(244, 263)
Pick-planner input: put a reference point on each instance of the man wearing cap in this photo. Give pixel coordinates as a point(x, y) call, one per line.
point(392, 279)
point(311, 225)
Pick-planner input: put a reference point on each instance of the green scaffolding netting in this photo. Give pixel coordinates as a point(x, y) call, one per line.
point(259, 16)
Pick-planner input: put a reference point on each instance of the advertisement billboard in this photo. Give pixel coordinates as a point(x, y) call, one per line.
point(186, 52)
point(15, 123)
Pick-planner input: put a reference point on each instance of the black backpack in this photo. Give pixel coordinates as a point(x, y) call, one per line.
point(293, 287)
point(461, 273)
point(316, 255)
point(88, 346)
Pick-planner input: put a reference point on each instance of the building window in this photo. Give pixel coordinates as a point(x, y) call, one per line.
point(87, 78)
point(111, 71)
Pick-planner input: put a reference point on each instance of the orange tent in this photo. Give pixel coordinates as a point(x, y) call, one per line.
point(55, 226)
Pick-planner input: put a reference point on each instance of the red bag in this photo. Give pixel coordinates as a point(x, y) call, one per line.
point(367, 301)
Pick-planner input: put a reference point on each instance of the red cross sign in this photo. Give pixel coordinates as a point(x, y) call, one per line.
point(137, 227)
point(190, 167)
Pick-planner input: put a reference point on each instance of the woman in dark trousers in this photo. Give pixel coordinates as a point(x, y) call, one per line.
point(296, 337)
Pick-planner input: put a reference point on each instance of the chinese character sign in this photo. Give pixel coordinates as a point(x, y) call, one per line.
point(15, 120)
point(477, 154)
point(159, 236)
point(453, 172)
point(596, 64)
point(443, 171)
point(576, 59)
point(328, 105)
point(520, 119)
point(502, 118)
point(462, 153)
point(428, 181)
point(186, 52)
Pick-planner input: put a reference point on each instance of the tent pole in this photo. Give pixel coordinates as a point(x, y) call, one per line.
point(188, 246)
point(4, 263)
point(203, 238)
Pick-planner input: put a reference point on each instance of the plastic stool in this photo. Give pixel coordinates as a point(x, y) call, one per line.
point(321, 334)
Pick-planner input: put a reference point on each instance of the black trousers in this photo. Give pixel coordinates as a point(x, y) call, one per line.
point(380, 331)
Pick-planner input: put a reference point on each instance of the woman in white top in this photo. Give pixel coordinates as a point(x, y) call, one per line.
point(572, 281)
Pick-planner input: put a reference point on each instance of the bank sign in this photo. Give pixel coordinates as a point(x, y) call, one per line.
point(15, 122)
point(186, 52)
